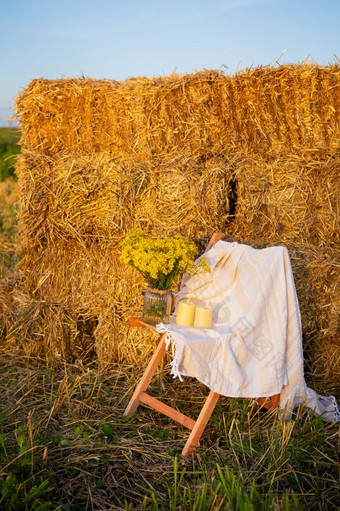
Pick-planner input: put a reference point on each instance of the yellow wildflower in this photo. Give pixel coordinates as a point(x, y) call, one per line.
point(160, 260)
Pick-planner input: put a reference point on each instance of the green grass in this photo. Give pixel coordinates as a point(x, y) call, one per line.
point(64, 444)
point(9, 148)
point(8, 226)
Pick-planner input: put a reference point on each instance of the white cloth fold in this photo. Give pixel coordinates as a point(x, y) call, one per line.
point(254, 347)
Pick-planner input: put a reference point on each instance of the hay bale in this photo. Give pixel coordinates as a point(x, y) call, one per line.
point(289, 108)
point(7, 304)
point(40, 327)
point(287, 199)
point(316, 274)
point(97, 198)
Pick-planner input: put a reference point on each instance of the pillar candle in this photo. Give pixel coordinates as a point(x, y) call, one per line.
point(185, 313)
point(203, 316)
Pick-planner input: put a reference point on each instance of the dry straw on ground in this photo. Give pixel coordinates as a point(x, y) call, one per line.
point(255, 156)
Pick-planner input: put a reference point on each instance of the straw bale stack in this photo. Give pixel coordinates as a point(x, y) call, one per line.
point(255, 156)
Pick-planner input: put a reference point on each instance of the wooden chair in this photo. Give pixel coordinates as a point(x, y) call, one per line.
point(140, 395)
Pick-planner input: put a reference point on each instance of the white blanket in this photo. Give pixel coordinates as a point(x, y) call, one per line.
point(254, 347)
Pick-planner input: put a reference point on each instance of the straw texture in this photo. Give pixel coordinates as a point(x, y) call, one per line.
point(264, 109)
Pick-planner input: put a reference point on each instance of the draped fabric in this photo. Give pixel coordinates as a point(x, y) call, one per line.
point(254, 346)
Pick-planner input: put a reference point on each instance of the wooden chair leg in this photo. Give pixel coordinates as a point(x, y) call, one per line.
point(269, 402)
point(275, 400)
point(200, 424)
point(147, 376)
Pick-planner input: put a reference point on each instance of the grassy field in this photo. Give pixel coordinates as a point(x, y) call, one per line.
point(8, 226)
point(9, 148)
point(65, 445)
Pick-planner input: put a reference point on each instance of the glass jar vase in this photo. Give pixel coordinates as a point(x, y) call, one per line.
point(157, 306)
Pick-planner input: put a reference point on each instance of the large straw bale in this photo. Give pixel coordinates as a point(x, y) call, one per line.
point(70, 197)
point(7, 304)
point(288, 198)
point(76, 311)
point(323, 269)
point(45, 329)
point(316, 273)
point(95, 199)
point(99, 197)
point(292, 108)
point(326, 197)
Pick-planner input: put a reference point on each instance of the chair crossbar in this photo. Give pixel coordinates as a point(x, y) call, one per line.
point(167, 410)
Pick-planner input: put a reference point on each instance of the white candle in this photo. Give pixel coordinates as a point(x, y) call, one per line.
point(185, 313)
point(203, 316)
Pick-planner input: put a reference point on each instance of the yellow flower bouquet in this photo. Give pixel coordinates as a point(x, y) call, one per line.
point(160, 260)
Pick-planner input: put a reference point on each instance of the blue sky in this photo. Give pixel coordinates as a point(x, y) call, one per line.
point(124, 38)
